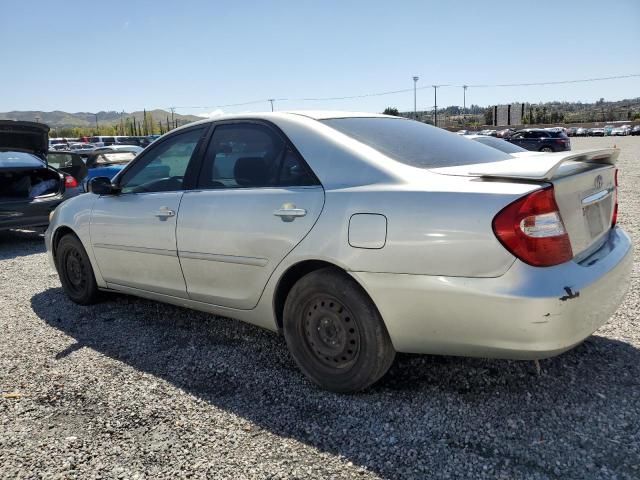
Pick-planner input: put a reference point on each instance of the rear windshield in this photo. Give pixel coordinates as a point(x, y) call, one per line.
point(415, 143)
point(501, 145)
point(19, 160)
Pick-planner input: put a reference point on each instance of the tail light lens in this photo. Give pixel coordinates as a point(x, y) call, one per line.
point(531, 228)
point(70, 182)
point(614, 218)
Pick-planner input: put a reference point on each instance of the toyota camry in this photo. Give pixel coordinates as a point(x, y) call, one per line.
point(356, 236)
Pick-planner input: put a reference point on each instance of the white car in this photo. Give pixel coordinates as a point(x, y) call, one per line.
point(357, 236)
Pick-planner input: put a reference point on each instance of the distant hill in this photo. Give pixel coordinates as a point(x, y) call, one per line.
point(58, 119)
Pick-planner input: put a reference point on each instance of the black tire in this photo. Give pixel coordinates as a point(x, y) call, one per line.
point(335, 333)
point(547, 149)
point(75, 272)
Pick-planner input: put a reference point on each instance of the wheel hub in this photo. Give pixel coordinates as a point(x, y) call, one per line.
point(74, 269)
point(332, 334)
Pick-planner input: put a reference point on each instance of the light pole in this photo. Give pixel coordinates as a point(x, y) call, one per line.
point(97, 131)
point(271, 100)
point(415, 108)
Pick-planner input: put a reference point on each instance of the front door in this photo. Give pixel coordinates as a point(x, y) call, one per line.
point(256, 200)
point(133, 233)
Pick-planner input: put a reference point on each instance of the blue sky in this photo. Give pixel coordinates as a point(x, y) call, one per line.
point(115, 55)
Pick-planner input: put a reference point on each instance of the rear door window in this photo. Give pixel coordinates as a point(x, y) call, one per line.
point(248, 155)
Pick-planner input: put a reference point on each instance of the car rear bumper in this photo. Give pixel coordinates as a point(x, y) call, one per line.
point(527, 313)
point(23, 214)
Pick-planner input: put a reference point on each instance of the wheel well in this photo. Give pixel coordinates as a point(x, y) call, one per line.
point(289, 279)
point(57, 235)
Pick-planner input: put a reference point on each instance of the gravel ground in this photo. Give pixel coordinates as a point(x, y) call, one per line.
point(136, 389)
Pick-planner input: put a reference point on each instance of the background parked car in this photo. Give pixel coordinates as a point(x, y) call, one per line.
point(498, 144)
point(69, 162)
point(29, 188)
point(119, 148)
point(635, 130)
point(541, 140)
point(582, 132)
point(596, 132)
point(105, 164)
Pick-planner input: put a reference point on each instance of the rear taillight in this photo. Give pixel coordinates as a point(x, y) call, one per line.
point(70, 182)
point(614, 218)
point(531, 228)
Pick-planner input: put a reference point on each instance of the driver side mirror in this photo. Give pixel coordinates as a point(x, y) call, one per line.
point(103, 186)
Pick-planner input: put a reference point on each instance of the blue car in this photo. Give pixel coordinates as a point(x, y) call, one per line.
point(105, 164)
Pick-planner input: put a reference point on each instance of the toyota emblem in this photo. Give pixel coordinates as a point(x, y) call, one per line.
point(598, 182)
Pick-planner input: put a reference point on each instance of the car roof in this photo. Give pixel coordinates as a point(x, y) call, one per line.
point(313, 114)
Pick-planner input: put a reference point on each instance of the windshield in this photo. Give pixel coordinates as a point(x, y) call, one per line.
point(501, 145)
point(415, 143)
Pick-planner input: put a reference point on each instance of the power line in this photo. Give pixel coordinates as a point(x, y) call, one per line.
point(405, 90)
point(559, 82)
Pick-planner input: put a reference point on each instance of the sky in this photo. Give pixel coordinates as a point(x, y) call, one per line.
point(205, 57)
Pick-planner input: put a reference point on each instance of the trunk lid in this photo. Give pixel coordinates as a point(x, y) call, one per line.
point(27, 137)
point(584, 186)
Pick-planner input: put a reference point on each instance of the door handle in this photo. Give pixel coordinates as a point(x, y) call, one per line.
point(164, 213)
point(288, 212)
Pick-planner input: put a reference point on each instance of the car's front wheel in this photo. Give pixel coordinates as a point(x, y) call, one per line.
point(75, 271)
point(335, 333)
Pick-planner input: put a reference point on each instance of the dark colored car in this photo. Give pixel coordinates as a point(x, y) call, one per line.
point(29, 188)
point(68, 162)
point(635, 130)
point(139, 141)
point(540, 140)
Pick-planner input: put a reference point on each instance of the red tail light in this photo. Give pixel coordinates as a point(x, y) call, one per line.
point(531, 228)
point(70, 182)
point(614, 218)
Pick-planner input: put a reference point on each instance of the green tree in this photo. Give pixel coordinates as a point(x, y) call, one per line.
point(391, 111)
point(488, 116)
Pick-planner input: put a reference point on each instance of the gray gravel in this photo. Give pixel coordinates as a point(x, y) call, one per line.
point(136, 389)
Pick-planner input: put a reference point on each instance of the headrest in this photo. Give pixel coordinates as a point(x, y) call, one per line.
point(250, 172)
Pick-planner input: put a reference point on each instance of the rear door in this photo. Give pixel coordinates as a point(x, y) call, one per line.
point(256, 200)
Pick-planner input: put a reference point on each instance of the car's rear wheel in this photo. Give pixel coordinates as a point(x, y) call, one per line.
point(74, 269)
point(335, 333)
point(546, 149)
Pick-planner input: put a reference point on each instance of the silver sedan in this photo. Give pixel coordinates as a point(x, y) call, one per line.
point(357, 236)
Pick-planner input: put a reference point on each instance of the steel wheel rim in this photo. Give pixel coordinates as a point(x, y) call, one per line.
point(331, 332)
point(74, 271)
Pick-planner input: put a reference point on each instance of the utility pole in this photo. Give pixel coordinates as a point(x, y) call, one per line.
point(97, 131)
point(271, 100)
point(415, 108)
point(173, 109)
point(464, 104)
point(464, 98)
point(435, 105)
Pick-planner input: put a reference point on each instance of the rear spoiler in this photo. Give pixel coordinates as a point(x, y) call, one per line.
point(542, 167)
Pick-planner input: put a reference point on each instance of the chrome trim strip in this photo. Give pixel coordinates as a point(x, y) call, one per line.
point(596, 197)
point(214, 257)
point(126, 248)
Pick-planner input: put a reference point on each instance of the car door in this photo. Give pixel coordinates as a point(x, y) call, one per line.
point(133, 233)
point(256, 199)
point(517, 139)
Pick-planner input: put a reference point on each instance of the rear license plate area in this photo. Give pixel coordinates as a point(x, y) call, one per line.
point(593, 217)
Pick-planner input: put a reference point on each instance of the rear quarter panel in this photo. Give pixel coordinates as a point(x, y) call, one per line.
point(444, 230)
